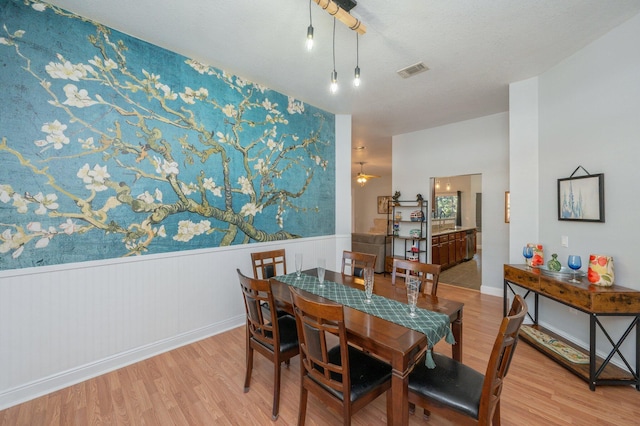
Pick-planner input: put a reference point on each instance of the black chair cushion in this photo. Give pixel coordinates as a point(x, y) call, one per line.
point(268, 271)
point(451, 383)
point(366, 372)
point(288, 333)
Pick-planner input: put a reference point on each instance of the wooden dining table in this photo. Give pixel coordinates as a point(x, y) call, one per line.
point(394, 343)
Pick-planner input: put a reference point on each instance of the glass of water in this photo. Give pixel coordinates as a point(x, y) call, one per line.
point(298, 265)
point(368, 284)
point(413, 289)
point(321, 268)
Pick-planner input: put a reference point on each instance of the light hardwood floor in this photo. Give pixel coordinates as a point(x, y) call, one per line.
point(201, 384)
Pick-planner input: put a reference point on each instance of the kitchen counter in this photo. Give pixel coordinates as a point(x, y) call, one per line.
point(453, 229)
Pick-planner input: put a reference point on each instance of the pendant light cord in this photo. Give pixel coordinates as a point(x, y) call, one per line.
point(334, 43)
point(357, 51)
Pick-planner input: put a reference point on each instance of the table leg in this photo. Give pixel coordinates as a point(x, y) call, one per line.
point(456, 329)
point(400, 397)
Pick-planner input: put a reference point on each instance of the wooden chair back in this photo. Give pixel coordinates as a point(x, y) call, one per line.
point(428, 273)
point(257, 293)
point(341, 376)
point(268, 264)
point(274, 337)
point(439, 389)
point(355, 262)
point(500, 359)
point(320, 325)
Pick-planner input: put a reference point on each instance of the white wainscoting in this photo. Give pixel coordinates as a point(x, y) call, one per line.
point(65, 324)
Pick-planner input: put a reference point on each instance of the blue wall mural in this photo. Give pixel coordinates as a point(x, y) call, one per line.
point(112, 147)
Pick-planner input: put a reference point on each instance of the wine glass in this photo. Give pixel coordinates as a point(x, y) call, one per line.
point(321, 268)
point(413, 287)
point(574, 263)
point(298, 265)
point(368, 284)
point(527, 252)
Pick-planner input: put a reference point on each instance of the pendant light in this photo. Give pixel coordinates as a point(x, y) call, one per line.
point(334, 74)
point(310, 30)
point(356, 73)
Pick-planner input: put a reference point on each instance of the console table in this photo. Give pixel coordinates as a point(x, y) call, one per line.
point(594, 300)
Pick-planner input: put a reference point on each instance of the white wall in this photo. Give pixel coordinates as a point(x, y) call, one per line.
point(589, 115)
point(365, 202)
point(455, 150)
point(523, 166)
point(64, 324)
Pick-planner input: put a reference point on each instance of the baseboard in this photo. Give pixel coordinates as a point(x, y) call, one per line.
point(46, 385)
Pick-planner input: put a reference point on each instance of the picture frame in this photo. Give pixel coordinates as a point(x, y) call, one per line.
point(507, 207)
point(383, 204)
point(581, 198)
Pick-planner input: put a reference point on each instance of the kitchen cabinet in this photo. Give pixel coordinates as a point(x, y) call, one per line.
point(449, 247)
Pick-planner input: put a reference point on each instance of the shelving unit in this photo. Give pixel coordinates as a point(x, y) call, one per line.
point(407, 231)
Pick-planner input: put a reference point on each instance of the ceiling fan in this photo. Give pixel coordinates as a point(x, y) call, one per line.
point(361, 177)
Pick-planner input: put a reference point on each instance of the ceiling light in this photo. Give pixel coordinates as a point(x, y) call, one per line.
point(356, 74)
point(334, 74)
point(361, 177)
point(310, 30)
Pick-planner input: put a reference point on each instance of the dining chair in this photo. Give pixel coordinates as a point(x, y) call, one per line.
point(275, 340)
point(267, 264)
point(428, 273)
point(342, 377)
point(460, 390)
point(356, 262)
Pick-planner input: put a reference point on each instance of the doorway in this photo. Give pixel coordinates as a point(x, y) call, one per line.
point(456, 205)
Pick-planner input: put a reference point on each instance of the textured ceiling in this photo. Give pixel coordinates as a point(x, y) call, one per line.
point(474, 49)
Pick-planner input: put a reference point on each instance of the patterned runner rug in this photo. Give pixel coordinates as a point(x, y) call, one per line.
point(567, 352)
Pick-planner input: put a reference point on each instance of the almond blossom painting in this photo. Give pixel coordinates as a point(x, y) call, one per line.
point(112, 147)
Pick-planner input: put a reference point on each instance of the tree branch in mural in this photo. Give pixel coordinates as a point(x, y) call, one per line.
point(156, 136)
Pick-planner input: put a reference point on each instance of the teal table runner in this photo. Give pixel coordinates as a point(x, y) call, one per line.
point(434, 325)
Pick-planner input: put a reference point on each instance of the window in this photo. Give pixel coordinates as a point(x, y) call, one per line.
point(446, 206)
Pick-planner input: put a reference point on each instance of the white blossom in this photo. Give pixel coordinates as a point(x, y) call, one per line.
point(229, 110)
point(69, 227)
point(54, 127)
point(20, 203)
point(295, 107)
point(250, 209)
point(247, 187)
point(66, 70)
point(187, 229)
point(260, 166)
point(5, 193)
point(160, 232)
point(146, 197)
point(77, 98)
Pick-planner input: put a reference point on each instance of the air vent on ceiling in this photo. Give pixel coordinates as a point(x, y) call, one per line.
point(412, 70)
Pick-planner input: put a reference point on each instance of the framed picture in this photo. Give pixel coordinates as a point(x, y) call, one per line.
point(383, 204)
point(507, 207)
point(581, 198)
